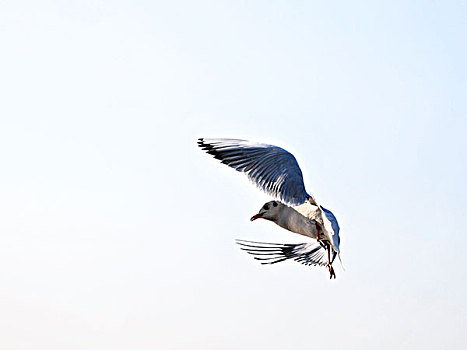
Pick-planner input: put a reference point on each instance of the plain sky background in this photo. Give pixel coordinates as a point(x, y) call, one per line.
point(117, 232)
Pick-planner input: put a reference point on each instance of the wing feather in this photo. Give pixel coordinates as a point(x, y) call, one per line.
point(271, 168)
point(270, 253)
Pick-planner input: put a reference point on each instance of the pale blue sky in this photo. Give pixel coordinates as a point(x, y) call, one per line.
point(116, 232)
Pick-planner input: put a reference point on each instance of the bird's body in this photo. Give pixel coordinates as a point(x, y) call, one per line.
point(295, 221)
point(276, 172)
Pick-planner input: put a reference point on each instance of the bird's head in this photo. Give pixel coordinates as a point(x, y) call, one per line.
point(269, 211)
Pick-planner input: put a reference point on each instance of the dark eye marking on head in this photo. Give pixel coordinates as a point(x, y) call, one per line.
point(266, 207)
point(274, 204)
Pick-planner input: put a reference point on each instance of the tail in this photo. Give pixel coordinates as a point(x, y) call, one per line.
point(340, 260)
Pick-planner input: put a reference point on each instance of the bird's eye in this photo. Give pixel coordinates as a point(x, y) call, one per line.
point(274, 204)
point(266, 207)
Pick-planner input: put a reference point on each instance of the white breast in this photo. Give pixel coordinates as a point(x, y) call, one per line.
point(294, 221)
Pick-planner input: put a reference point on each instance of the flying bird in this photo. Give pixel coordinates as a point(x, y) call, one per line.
point(276, 172)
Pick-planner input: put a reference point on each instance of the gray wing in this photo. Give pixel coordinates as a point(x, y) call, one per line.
point(271, 168)
point(332, 219)
point(270, 253)
point(335, 227)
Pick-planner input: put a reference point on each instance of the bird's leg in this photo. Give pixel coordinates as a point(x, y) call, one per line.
point(320, 241)
point(326, 246)
point(331, 269)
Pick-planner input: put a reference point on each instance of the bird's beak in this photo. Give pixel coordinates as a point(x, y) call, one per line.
point(256, 216)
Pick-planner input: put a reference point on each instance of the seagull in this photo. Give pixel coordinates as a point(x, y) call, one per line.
point(276, 171)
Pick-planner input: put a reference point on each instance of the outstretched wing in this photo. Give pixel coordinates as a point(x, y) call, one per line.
point(270, 253)
point(271, 168)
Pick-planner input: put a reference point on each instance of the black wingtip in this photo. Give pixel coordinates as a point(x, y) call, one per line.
point(204, 146)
